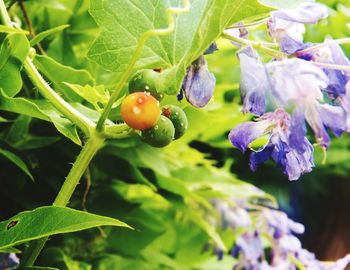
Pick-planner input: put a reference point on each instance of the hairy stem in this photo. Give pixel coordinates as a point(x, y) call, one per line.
point(59, 103)
point(80, 165)
point(84, 123)
point(141, 42)
point(83, 160)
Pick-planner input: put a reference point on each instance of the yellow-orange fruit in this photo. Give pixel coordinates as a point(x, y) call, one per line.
point(140, 110)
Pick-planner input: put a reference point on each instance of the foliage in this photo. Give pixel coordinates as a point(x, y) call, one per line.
point(83, 50)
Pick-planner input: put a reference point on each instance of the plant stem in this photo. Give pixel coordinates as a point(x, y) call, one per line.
point(84, 123)
point(257, 45)
point(140, 44)
point(94, 143)
point(5, 18)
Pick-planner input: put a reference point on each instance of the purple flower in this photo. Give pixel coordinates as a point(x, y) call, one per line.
point(254, 82)
point(287, 144)
point(295, 82)
point(249, 246)
point(199, 83)
point(287, 25)
point(279, 221)
point(331, 54)
point(8, 261)
point(232, 217)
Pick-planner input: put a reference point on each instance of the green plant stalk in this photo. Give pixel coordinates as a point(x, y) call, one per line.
point(140, 44)
point(257, 45)
point(83, 160)
point(84, 123)
point(94, 143)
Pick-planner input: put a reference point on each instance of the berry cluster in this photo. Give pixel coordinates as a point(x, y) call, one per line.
point(141, 111)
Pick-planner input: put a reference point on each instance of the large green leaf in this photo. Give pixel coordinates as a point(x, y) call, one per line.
point(123, 22)
point(13, 51)
point(49, 220)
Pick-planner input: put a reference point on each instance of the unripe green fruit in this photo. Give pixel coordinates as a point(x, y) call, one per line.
point(161, 134)
point(178, 118)
point(146, 80)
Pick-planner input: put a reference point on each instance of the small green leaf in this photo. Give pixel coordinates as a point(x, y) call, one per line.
point(17, 161)
point(57, 74)
point(97, 96)
point(18, 130)
point(21, 106)
point(39, 37)
point(10, 250)
point(6, 29)
point(13, 51)
point(49, 220)
point(41, 109)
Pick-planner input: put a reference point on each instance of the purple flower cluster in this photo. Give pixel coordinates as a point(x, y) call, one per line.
point(268, 241)
point(309, 85)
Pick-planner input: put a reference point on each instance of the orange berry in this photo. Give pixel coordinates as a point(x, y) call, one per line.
point(140, 110)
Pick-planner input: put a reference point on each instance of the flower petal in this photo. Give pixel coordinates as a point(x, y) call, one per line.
point(296, 81)
point(258, 158)
point(242, 135)
point(199, 83)
point(254, 83)
point(333, 117)
point(306, 13)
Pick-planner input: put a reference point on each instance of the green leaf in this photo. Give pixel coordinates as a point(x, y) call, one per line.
point(43, 110)
point(13, 51)
point(17, 161)
point(39, 37)
point(123, 23)
point(10, 250)
point(6, 29)
point(57, 74)
point(21, 106)
point(97, 96)
point(49, 220)
point(18, 130)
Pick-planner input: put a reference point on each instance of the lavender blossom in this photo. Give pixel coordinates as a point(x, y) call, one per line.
point(249, 246)
point(199, 83)
point(288, 146)
point(296, 82)
point(287, 25)
point(254, 82)
point(274, 227)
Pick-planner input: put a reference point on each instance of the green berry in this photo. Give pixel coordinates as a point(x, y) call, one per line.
point(146, 80)
point(178, 118)
point(161, 134)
